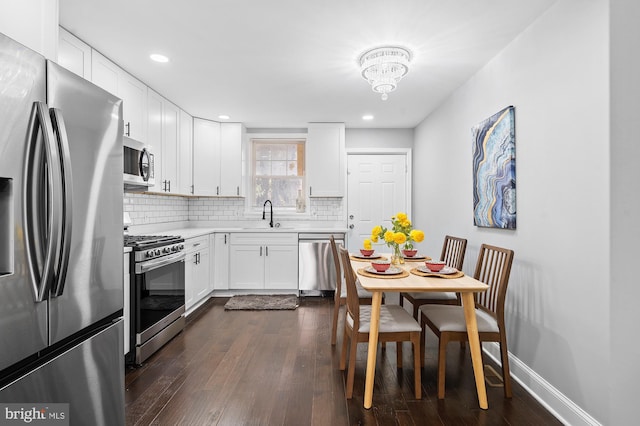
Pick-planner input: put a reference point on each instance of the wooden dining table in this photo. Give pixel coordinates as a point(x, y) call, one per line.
point(464, 285)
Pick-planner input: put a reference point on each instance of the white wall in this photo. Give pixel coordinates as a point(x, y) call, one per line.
point(379, 138)
point(556, 75)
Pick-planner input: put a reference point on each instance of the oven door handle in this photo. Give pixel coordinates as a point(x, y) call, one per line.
point(150, 265)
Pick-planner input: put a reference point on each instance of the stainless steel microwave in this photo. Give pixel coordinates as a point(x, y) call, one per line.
point(138, 163)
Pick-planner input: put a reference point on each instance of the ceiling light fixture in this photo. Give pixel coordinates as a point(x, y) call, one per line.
point(367, 117)
point(384, 67)
point(158, 58)
point(224, 117)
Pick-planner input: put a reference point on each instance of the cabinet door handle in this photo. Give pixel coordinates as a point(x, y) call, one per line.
point(217, 190)
point(266, 249)
point(310, 192)
point(260, 250)
point(238, 190)
point(128, 126)
point(225, 239)
point(192, 189)
point(169, 185)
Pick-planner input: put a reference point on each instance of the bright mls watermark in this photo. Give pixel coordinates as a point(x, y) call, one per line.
point(34, 414)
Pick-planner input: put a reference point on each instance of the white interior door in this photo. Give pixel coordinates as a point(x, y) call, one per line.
point(378, 188)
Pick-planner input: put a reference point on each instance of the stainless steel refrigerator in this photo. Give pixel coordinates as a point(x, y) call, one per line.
point(61, 248)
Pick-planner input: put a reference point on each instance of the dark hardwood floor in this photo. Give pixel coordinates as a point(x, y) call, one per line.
point(279, 368)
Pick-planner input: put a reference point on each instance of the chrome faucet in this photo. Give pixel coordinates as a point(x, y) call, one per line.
point(264, 206)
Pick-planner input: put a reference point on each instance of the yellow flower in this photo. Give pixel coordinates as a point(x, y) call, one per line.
point(399, 238)
point(376, 230)
point(374, 238)
point(401, 217)
point(389, 237)
point(405, 223)
point(367, 244)
point(416, 235)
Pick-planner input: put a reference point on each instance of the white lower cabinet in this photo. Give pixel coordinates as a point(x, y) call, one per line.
point(263, 261)
point(220, 242)
point(196, 271)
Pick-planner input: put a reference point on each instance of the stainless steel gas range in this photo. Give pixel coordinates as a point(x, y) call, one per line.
point(157, 293)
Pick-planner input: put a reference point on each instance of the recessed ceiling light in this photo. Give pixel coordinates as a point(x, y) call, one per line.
point(158, 58)
point(367, 117)
point(224, 117)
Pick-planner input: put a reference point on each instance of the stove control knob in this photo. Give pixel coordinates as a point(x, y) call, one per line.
point(149, 253)
point(158, 252)
point(181, 246)
point(166, 250)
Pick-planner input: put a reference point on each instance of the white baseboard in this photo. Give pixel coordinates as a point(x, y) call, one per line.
point(551, 398)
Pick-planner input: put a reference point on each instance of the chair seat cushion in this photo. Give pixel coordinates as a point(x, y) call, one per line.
point(393, 319)
point(433, 295)
point(451, 318)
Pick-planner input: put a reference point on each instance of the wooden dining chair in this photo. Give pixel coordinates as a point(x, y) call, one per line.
point(340, 295)
point(453, 251)
point(448, 321)
point(396, 325)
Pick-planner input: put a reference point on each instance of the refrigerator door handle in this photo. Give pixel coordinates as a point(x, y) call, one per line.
point(62, 140)
point(42, 210)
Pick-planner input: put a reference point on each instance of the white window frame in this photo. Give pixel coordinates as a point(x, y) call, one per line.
point(254, 211)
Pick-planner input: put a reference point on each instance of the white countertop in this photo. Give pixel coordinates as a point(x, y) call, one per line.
point(191, 230)
point(187, 233)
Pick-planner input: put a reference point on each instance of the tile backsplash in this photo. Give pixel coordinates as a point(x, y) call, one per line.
point(147, 209)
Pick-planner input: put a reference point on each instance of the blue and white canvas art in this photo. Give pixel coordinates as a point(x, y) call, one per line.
point(494, 171)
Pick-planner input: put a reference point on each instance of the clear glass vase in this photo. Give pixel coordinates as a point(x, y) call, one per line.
point(396, 255)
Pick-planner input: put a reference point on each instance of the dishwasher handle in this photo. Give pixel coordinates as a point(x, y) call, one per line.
point(313, 237)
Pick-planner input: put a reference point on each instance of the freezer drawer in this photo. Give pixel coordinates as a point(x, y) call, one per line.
point(88, 376)
point(317, 273)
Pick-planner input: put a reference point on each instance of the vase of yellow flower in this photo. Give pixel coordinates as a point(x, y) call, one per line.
point(401, 233)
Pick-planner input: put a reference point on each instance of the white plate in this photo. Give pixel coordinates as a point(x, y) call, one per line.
point(360, 256)
point(393, 270)
point(447, 270)
point(416, 257)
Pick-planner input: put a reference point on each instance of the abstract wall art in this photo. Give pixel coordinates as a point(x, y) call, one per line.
point(494, 171)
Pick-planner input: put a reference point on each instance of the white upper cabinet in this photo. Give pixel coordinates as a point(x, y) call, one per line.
point(104, 73)
point(326, 157)
point(206, 157)
point(217, 158)
point(134, 106)
point(154, 136)
point(170, 137)
point(185, 154)
point(133, 93)
point(231, 136)
point(74, 54)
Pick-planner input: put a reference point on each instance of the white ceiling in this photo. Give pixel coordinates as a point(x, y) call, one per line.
point(283, 63)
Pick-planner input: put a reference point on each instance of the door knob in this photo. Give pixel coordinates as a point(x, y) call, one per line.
point(351, 216)
point(351, 226)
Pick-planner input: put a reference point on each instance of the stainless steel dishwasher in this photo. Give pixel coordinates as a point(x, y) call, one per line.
point(316, 270)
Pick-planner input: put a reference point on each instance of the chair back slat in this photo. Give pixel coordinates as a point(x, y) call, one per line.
point(338, 268)
point(353, 302)
point(493, 268)
point(453, 251)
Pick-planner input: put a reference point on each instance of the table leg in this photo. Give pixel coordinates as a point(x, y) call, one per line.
point(376, 301)
point(474, 345)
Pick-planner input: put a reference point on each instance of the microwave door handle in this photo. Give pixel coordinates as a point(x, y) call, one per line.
point(60, 131)
point(42, 209)
point(142, 161)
